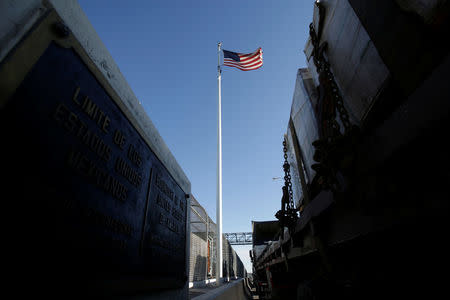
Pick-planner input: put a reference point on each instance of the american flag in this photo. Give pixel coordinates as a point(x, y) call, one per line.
point(244, 62)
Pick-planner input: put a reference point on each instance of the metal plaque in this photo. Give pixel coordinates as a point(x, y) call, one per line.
point(102, 204)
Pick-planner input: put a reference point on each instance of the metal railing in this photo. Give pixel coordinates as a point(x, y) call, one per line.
point(239, 238)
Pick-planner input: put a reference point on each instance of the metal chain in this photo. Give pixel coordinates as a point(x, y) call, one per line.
point(287, 179)
point(323, 65)
point(287, 214)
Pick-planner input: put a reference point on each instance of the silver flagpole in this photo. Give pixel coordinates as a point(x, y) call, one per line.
point(219, 173)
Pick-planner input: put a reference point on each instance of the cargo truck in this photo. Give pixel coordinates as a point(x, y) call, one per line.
point(365, 204)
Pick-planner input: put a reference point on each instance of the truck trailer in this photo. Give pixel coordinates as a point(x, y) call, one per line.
point(365, 201)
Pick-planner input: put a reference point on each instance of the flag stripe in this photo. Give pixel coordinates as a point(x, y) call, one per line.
point(233, 64)
point(247, 62)
point(249, 68)
point(244, 62)
point(248, 56)
point(246, 69)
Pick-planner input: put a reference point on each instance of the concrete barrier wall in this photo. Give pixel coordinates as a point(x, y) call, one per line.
point(232, 290)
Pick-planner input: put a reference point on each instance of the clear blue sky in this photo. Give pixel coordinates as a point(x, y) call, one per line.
point(167, 51)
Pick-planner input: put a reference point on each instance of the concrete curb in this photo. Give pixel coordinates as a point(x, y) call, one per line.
point(231, 290)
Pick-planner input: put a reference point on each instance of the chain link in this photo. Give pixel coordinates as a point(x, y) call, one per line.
point(287, 214)
point(287, 179)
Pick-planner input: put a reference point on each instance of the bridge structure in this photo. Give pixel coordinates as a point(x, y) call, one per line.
point(239, 238)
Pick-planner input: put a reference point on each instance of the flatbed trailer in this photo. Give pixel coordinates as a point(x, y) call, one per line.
point(368, 158)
